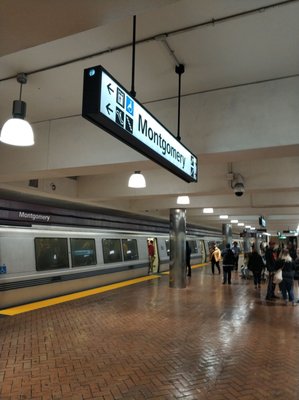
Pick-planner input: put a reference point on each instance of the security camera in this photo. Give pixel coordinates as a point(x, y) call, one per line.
point(236, 182)
point(239, 189)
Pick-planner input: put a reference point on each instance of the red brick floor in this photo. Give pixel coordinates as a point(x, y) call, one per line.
point(148, 341)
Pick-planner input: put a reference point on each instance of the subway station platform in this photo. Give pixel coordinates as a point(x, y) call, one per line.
point(148, 341)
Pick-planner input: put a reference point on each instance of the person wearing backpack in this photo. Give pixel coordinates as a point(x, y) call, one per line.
point(255, 264)
point(227, 263)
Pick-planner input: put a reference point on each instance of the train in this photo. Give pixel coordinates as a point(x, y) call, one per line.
point(48, 251)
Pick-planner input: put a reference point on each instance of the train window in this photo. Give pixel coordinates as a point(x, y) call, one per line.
point(111, 250)
point(167, 244)
point(51, 253)
point(83, 252)
point(130, 250)
point(193, 246)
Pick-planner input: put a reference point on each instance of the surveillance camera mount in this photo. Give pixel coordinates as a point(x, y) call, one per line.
point(236, 182)
point(237, 185)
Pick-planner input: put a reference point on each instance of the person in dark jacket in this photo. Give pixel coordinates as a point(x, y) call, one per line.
point(236, 250)
point(288, 271)
point(270, 256)
point(296, 277)
point(255, 264)
point(188, 259)
point(228, 263)
point(292, 250)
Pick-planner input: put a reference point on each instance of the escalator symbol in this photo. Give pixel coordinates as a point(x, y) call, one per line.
point(129, 124)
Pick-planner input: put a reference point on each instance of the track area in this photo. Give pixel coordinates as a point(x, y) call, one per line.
point(148, 341)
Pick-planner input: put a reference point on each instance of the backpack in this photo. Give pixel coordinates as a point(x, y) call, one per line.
point(229, 258)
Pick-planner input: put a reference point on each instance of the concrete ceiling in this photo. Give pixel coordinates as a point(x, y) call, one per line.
point(241, 58)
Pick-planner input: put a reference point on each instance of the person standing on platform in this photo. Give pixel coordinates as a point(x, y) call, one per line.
point(270, 256)
point(151, 254)
point(296, 277)
point(215, 255)
point(287, 265)
point(236, 250)
point(188, 258)
point(292, 250)
point(255, 264)
point(228, 263)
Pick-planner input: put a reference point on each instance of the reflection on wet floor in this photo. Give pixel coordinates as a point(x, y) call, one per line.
point(149, 341)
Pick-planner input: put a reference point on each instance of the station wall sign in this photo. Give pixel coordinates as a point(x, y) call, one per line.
point(109, 106)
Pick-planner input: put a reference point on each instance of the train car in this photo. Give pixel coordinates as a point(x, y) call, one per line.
point(48, 251)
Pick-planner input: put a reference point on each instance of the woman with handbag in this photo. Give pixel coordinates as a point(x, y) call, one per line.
point(288, 271)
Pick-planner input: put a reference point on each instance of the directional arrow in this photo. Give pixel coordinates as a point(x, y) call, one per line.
point(110, 90)
point(109, 110)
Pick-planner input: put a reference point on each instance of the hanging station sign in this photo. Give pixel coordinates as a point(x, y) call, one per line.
point(109, 106)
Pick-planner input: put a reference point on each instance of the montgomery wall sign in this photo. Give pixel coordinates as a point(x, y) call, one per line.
point(109, 106)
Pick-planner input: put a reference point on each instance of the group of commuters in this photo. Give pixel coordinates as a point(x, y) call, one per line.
point(275, 259)
point(230, 260)
point(285, 260)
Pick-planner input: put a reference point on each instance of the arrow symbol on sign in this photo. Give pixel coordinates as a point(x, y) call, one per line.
point(110, 90)
point(109, 110)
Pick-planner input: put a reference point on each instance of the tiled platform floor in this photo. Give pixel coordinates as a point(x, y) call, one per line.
point(147, 341)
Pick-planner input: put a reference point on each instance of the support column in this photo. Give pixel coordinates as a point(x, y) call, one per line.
point(227, 234)
point(258, 242)
point(177, 265)
point(247, 246)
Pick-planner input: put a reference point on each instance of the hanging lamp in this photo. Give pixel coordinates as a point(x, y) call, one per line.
point(16, 131)
point(183, 200)
point(137, 180)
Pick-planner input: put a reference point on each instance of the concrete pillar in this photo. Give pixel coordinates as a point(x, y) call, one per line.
point(258, 241)
point(247, 247)
point(227, 234)
point(177, 266)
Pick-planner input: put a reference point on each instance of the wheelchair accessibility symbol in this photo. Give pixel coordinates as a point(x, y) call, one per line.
point(129, 105)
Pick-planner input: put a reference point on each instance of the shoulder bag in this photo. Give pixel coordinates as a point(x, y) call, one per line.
point(277, 276)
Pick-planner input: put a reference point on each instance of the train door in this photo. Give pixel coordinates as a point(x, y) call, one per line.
point(153, 255)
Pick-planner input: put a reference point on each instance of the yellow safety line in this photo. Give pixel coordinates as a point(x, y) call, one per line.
point(192, 267)
point(79, 295)
point(74, 296)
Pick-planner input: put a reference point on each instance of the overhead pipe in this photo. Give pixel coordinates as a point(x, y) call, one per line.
point(213, 21)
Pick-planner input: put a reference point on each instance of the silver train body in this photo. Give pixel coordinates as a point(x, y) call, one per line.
point(27, 280)
point(48, 251)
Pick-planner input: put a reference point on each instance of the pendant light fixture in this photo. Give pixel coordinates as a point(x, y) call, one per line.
point(183, 200)
point(137, 180)
point(16, 131)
